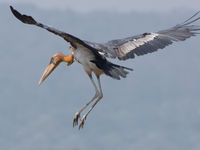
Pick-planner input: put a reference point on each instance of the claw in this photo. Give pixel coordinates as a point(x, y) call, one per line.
point(76, 117)
point(81, 124)
point(82, 121)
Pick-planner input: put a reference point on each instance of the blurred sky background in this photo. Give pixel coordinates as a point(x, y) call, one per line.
point(157, 107)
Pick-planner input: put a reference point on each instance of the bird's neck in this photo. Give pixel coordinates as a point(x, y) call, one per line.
point(69, 59)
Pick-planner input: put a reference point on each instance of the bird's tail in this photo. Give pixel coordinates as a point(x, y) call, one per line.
point(116, 71)
point(113, 70)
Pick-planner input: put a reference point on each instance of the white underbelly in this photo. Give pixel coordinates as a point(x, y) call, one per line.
point(84, 57)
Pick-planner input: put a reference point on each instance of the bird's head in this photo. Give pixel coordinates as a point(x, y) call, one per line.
point(54, 62)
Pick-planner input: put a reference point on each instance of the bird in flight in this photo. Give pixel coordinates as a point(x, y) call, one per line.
point(92, 56)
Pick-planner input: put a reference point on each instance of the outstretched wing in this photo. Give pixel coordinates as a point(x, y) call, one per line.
point(148, 42)
point(74, 41)
point(128, 47)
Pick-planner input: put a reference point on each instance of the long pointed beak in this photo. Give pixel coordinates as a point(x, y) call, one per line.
point(49, 69)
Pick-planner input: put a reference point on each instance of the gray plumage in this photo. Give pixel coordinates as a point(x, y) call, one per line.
point(127, 47)
point(148, 42)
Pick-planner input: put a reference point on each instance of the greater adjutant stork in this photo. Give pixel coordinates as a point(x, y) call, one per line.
point(93, 55)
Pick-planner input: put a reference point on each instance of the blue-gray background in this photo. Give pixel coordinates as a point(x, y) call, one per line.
point(156, 107)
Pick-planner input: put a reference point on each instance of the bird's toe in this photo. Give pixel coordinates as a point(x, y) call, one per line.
point(82, 122)
point(76, 117)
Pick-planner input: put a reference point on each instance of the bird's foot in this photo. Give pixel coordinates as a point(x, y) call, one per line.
point(82, 121)
point(76, 117)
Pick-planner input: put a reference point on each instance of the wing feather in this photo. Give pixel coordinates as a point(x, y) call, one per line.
point(148, 42)
point(74, 41)
point(127, 47)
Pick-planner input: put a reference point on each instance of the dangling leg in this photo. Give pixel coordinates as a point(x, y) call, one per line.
point(77, 114)
point(98, 99)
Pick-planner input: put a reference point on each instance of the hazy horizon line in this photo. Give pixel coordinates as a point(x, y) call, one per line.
point(120, 11)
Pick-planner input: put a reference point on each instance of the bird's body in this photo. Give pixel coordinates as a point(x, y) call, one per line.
point(83, 56)
point(96, 63)
point(92, 56)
